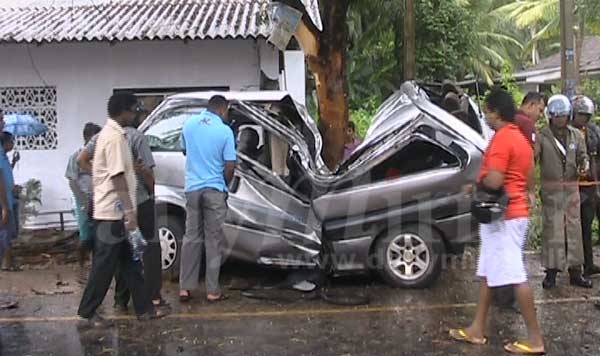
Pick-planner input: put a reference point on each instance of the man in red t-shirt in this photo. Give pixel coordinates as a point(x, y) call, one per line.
point(507, 163)
point(530, 112)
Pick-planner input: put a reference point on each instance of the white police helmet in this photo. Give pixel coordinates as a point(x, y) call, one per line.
point(558, 105)
point(583, 105)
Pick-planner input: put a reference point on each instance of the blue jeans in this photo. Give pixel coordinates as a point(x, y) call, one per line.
point(85, 223)
point(4, 243)
point(6, 235)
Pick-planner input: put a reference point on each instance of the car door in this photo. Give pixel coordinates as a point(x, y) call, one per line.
point(267, 221)
point(270, 220)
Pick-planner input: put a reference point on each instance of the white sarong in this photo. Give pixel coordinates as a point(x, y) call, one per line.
point(501, 259)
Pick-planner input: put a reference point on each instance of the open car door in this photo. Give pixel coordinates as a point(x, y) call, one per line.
point(270, 215)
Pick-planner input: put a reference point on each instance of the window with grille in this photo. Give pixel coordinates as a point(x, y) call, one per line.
point(39, 102)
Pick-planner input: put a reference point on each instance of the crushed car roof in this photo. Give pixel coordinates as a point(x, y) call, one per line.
point(266, 95)
point(404, 106)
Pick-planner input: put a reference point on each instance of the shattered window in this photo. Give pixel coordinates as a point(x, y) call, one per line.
point(165, 133)
point(417, 156)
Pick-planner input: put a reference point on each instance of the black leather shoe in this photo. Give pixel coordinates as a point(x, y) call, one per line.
point(592, 271)
point(581, 281)
point(549, 281)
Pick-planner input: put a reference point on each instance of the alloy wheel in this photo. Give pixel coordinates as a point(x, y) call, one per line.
point(408, 256)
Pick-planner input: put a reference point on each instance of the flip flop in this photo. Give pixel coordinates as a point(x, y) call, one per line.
point(185, 298)
point(9, 305)
point(461, 335)
point(221, 298)
point(520, 348)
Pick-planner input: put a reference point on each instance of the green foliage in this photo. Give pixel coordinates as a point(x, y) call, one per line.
point(373, 62)
point(375, 53)
point(443, 43)
point(539, 21)
point(591, 88)
point(494, 40)
point(374, 59)
point(509, 82)
point(362, 117)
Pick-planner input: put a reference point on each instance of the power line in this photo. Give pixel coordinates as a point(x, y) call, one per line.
point(35, 67)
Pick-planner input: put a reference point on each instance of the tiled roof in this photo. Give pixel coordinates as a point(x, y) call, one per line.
point(137, 20)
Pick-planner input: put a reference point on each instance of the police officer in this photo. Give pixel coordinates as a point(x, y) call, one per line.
point(562, 154)
point(583, 111)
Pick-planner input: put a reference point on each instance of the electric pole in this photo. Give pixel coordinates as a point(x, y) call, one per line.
point(410, 70)
point(567, 48)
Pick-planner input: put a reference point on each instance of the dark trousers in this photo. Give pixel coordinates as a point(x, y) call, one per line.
point(590, 209)
point(112, 252)
point(152, 263)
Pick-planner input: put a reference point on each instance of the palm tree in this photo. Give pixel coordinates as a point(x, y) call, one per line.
point(541, 20)
point(495, 41)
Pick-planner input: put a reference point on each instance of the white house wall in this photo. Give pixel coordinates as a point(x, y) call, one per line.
point(85, 75)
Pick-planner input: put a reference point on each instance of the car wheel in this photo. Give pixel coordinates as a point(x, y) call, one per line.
point(170, 234)
point(409, 257)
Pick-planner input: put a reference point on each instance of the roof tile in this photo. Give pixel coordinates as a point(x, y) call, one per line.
point(137, 20)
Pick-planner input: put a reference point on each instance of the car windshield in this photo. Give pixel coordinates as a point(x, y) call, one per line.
point(165, 134)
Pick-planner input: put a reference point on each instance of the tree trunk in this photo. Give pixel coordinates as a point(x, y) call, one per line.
point(329, 68)
point(326, 53)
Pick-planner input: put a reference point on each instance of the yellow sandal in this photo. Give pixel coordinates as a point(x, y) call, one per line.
point(520, 348)
point(461, 335)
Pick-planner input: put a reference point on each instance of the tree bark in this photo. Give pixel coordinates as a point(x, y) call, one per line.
point(326, 53)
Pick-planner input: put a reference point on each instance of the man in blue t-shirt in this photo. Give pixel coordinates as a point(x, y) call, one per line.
point(209, 146)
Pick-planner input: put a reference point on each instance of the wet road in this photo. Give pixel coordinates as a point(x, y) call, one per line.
point(397, 322)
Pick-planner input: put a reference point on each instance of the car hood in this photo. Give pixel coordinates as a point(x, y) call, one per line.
point(400, 110)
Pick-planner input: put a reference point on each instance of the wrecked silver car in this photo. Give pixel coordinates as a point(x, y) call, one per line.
point(395, 206)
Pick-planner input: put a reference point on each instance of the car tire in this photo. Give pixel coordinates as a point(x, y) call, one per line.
point(170, 232)
point(409, 257)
